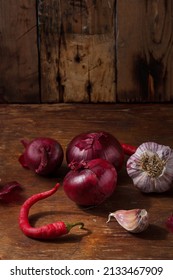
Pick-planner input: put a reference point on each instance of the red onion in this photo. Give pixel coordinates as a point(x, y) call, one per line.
point(87, 146)
point(90, 183)
point(42, 155)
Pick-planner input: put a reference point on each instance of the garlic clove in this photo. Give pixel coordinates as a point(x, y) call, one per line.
point(134, 220)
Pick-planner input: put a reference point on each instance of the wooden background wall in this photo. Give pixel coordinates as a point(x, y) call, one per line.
point(86, 51)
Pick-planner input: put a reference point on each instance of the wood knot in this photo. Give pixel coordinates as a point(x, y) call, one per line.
point(77, 58)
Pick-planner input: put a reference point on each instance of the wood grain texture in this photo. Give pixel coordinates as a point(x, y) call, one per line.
point(49, 24)
point(87, 51)
point(144, 50)
point(18, 52)
point(101, 241)
point(158, 42)
point(77, 51)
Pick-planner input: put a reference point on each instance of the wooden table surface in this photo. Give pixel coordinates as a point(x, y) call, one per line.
point(134, 124)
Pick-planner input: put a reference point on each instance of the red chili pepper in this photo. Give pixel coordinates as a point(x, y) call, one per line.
point(128, 149)
point(49, 231)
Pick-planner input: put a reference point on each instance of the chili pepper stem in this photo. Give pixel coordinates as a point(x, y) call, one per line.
point(70, 226)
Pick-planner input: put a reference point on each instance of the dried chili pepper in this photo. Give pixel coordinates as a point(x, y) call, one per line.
point(128, 149)
point(49, 231)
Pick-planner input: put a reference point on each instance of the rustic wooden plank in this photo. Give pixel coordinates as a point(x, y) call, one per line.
point(158, 35)
point(89, 52)
point(77, 51)
point(144, 50)
point(18, 52)
point(49, 20)
point(87, 69)
point(130, 17)
point(129, 123)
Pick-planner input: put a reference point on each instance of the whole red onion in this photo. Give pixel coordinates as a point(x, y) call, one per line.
point(87, 146)
point(42, 155)
point(90, 183)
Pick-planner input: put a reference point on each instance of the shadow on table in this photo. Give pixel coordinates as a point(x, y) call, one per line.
point(153, 232)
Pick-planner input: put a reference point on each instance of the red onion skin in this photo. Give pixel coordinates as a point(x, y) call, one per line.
point(42, 155)
point(169, 223)
point(88, 146)
point(90, 183)
point(10, 192)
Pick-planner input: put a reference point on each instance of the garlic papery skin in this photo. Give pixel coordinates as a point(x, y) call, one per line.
point(134, 220)
point(151, 167)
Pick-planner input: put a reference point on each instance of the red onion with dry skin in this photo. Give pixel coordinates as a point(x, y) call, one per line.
point(42, 155)
point(88, 146)
point(90, 183)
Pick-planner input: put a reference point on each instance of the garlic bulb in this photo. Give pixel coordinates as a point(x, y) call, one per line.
point(135, 220)
point(151, 167)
